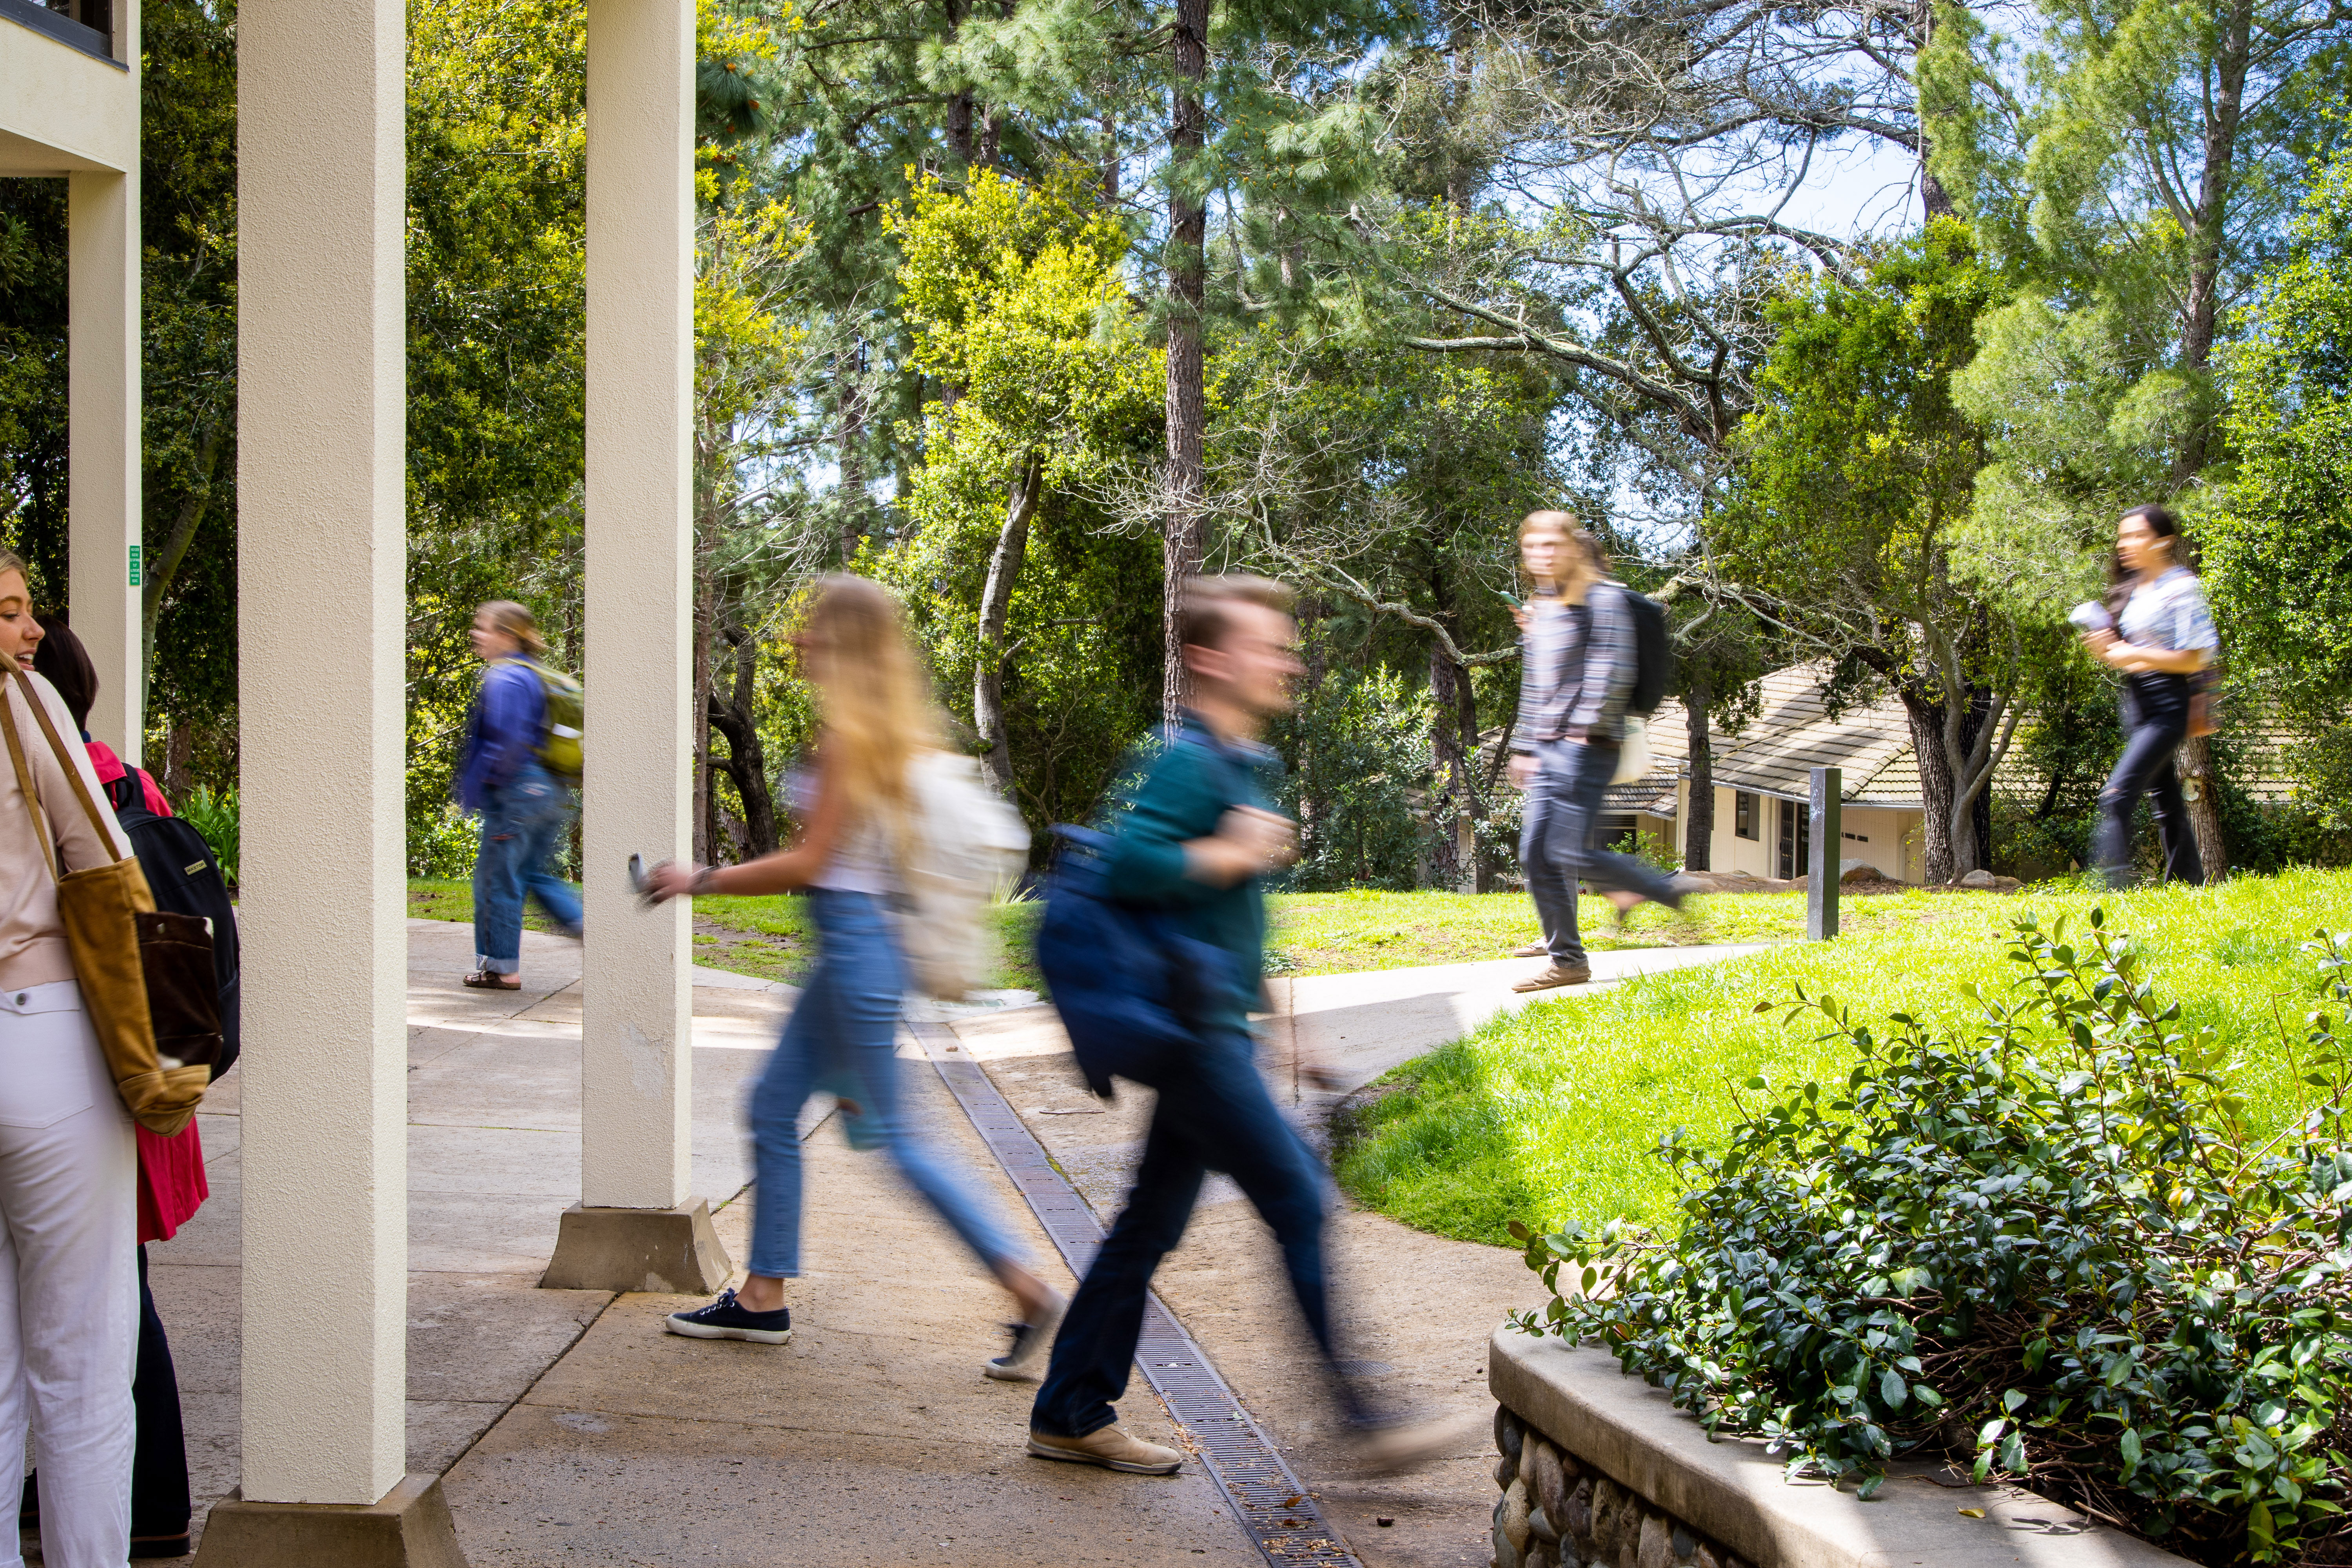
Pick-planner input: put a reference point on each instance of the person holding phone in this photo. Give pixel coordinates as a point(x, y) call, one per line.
point(2159, 632)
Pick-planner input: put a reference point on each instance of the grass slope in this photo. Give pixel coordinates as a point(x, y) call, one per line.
point(1551, 1113)
point(1313, 934)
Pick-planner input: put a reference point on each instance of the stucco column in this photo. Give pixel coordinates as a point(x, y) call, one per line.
point(103, 444)
point(636, 1227)
point(322, 165)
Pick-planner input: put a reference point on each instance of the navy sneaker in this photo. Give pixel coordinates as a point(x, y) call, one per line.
point(723, 1320)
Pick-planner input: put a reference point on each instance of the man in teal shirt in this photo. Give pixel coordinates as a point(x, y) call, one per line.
point(1195, 843)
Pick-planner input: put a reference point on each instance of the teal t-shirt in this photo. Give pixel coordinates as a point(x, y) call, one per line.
point(1184, 790)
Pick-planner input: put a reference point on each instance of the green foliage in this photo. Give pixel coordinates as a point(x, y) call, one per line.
point(2051, 1243)
point(1014, 295)
point(1553, 1113)
point(214, 814)
point(1361, 739)
point(2277, 552)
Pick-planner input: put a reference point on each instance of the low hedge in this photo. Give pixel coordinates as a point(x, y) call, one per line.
point(2046, 1247)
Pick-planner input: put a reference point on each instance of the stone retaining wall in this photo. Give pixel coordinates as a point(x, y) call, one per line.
point(1554, 1514)
point(1599, 1470)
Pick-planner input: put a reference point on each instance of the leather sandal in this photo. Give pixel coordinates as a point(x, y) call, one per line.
point(483, 980)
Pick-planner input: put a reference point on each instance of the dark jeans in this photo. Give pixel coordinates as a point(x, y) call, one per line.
point(1563, 803)
point(2156, 718)
point(1216, 1115)
point(520, 828)
point(160, 1509)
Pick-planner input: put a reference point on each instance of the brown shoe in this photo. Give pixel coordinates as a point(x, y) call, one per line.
point(1109, 1447)
point(1557, 975)
point(1533, 950)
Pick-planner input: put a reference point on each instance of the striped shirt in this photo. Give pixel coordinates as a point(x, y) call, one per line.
point(1577, 668)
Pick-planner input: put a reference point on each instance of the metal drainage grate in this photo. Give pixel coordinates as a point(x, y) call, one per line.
point(1281, 1519)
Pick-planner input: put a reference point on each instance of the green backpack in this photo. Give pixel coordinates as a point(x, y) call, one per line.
point(559, 748)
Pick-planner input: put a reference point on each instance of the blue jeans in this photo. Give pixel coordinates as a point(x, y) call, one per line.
point(2155, 711)
point(1214, 1115)
point(846, 1020)
point(520, 828)
point(1563, 806)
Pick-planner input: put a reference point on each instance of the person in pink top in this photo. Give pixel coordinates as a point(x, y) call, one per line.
point(171, 1184)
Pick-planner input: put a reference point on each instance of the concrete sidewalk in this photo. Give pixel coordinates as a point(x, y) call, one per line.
point(494, 1158)
point(589, 1434)
point(569, 1428)
point(1414, 1309)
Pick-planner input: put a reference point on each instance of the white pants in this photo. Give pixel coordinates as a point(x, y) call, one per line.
point(69, 1280)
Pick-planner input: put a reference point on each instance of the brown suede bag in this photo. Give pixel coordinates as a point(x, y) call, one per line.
point(146, 976)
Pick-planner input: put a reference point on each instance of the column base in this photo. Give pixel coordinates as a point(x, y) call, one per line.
point(408, 1528)
point(673, 1252)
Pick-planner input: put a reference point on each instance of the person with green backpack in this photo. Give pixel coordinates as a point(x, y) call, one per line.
point(521, 767)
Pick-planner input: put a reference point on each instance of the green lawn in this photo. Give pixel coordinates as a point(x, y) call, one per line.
point(1552, 1113)
point(1342, 933)
point(1313, 934)
point(764, 937)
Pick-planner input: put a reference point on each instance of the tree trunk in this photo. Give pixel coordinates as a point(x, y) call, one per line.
point(1935, 786)
point(1449, 773)
point(746, 762)
point(2195, 762)
point(2198, 318)
point(166, 568)
point(2201, 309)
point(1111, 160)
point(856, 506)
point(959, 106)
point(995, 603)
point(1935, 201)
point(1312, 818)
point(1187, 291)
point(1698, 827)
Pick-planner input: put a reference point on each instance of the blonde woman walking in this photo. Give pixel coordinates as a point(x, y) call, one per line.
point(877, 716)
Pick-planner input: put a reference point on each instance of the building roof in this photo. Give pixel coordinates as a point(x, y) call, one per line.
point(1793, 734)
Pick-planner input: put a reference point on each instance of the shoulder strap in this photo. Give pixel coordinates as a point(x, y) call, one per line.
point(24, 782)
point(65, 759)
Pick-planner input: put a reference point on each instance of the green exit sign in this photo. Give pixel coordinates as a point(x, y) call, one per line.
point(134, 566)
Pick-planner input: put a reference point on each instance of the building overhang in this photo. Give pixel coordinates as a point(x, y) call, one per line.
point(63, 109)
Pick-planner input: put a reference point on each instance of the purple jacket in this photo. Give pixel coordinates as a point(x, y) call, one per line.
point(503, 732)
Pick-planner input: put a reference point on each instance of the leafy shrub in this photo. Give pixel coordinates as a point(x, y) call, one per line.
point(214, 814)
point(2052, 1248)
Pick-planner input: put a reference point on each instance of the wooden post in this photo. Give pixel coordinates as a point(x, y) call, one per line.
point(1823, 829)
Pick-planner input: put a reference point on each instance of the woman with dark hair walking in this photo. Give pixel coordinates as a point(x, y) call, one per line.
point(2159, 632)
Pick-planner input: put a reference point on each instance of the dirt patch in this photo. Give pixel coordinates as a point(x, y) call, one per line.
point(770, 957)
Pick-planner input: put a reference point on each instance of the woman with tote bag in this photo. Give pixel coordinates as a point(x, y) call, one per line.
point(68, 1167)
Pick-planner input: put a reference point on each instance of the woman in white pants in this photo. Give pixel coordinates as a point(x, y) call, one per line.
point(68, 1164)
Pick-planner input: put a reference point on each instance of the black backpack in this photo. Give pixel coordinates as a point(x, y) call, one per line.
point(184, 877)
point(1654, 668)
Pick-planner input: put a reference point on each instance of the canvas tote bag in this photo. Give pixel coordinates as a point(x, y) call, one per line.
point(146, 976)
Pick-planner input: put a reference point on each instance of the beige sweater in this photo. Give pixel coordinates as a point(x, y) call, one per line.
point(31, 944)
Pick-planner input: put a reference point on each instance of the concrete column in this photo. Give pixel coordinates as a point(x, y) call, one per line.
point(634, 1226)
point(103, 445)
point(321, 166)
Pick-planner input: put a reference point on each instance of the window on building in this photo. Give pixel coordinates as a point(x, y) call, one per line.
point(1617, 830)
point(1743, 813)
point(1796, 837)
